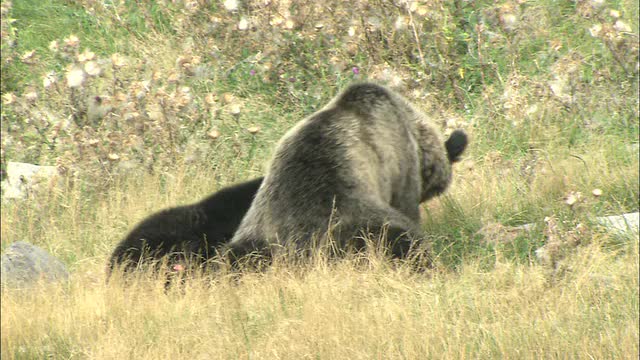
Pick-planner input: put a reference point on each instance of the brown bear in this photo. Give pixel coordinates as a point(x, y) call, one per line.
point(358, 168)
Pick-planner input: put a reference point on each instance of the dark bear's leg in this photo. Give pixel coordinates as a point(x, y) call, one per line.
point(253, 253)
point(397, 240)
point(397, 231)
point(409, 245)
point(400, 241)
point(128, 256)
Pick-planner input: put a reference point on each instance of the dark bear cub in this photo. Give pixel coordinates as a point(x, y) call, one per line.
point(185, 234)
point(358, 168)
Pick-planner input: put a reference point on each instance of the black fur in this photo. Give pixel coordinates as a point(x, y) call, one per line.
point(456, 144)
point(186, 233)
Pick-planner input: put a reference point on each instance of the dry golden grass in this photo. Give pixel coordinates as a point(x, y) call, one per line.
point(551, 111)
point(340, 311)
point(587, 308)
point(494, 186)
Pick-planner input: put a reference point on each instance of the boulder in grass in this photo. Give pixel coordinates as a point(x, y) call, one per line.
point(622, 223)
point(23, 264)
point(22, 179)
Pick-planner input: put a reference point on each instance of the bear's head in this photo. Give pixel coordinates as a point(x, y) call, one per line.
point(437, 157)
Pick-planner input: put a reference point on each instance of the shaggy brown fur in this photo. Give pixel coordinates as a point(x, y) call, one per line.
point(360, 166)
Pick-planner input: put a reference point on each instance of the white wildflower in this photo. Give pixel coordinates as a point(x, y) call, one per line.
point(118, 60)
point(231, 5)
point(87, 55)
point(75, 78)
point(31, 96)
point(92, 68)
point(9, 98)
point(72, 41)
point(49, 79)
point(53, 46)
point(595, 30)
point(621, 26)
point(243, 24)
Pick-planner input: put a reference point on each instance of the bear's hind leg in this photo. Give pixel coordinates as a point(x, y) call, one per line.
point(396, 237)
point(253, 253)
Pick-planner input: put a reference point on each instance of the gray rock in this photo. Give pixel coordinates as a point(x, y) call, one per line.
point(625, 223)
point(622, 223)
point(526, 227)
point(24, 179)
point(23, 264)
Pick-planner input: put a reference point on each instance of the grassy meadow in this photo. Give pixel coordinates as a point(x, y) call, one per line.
point(147, 105)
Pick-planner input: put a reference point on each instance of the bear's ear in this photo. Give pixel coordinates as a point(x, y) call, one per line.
point(455, 145)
